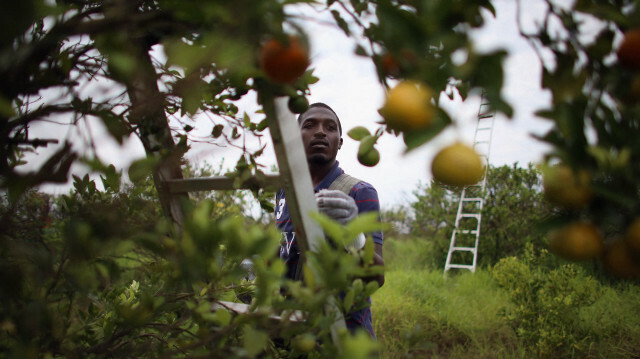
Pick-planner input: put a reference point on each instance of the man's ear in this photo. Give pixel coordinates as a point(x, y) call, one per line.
point(340, 144)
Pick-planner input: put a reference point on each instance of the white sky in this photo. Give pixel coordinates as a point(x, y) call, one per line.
point(349, 84)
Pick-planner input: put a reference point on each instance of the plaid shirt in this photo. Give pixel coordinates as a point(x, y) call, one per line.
point(366, 198)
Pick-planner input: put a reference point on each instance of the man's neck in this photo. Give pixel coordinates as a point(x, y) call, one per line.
point(320, 171)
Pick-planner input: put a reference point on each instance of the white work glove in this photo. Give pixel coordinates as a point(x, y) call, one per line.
point(341, 208)
point(337, 205)
point(247, 266)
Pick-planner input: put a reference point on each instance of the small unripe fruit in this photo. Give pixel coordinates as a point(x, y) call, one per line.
point(369, 158)
point(298, 104)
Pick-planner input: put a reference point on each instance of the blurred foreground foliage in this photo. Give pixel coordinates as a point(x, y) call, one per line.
point(102, 274)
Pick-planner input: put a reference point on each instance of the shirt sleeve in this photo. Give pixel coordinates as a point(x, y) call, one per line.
point(366, 198)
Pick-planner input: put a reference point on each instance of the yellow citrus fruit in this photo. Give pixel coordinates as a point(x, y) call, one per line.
point(369, 158)
point(408, 107)
point(617, 260)
point(564, 187)
point(629, 50)
point(577, 241)
point(284, 63)
point(457, 165)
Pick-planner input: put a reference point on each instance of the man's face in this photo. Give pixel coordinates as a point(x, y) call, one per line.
point(320, 135)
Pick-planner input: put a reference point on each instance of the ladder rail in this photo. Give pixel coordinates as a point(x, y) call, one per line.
point(485, 113)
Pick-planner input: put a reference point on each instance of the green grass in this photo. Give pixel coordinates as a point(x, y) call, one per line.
point(420, 314)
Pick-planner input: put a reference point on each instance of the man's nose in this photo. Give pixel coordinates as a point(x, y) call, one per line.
point(320, 131)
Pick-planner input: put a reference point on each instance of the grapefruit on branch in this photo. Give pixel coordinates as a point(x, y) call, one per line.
point(408, 107)
point(457, 165)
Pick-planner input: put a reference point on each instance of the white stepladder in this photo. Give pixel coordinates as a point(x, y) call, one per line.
point(466, 232)
point(295, 179)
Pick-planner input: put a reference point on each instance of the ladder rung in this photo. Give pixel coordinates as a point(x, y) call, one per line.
point(482, 141)
point(483, 128)
point(473, 199)
point(469, 215)
point(467, 231)
point(461, 266)
point(485, 115)
point(221, 183)
point(465, 249)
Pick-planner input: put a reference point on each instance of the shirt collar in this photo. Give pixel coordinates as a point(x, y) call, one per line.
point(330, 177)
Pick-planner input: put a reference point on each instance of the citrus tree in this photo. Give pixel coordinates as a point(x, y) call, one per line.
point(55, 54)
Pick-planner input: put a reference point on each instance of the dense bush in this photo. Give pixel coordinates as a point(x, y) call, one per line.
point(547, 303)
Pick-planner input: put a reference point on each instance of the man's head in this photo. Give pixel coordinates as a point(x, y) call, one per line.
point(321, 133)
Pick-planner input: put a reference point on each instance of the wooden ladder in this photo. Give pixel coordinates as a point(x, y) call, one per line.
point(294, 178)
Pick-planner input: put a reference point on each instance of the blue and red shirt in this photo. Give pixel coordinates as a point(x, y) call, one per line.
point(366, 198)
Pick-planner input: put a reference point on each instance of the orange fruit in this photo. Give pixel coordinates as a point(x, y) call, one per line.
point(408, 107)
point(617, 260)
point(394, 65)
point(564, 187)
point(284, 63)
point(457, 165)
point(390, 66)
point(576, 241)
point(629, 50)
point(632, 237)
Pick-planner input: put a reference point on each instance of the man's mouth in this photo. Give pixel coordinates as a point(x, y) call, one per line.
point(319, 144)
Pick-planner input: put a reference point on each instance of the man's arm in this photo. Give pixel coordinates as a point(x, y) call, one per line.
point(379, 261)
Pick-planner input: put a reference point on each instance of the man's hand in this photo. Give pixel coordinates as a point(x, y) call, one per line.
point(337, 205)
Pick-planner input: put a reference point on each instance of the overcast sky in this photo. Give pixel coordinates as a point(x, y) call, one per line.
point(349, 84)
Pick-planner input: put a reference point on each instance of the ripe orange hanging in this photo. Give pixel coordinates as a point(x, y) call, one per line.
point(283, 63)
point(629, 50)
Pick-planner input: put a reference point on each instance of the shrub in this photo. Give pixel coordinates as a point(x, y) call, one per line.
point(547, 303)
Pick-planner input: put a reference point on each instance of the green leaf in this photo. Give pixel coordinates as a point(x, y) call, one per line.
point(254, 340)
point(415, 139)
point(111, 180)
point(358, 133)
point(141, 169)
point(217, 131)
point(331, 227)
point(366, 223)
point(347, 302)
point(341, 22)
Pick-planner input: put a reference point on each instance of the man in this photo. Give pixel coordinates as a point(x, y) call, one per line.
point(322, 138)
